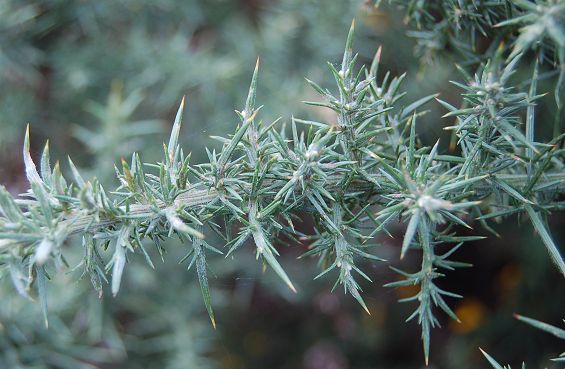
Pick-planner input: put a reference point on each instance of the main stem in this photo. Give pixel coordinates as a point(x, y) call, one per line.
point(79, 223)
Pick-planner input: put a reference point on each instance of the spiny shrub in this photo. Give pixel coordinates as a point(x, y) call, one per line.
point(471, 31)
point(356, 176)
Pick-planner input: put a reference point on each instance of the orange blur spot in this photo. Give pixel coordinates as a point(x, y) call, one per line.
point(472, 314)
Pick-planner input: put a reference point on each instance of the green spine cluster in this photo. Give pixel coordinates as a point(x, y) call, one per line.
point(357, 175)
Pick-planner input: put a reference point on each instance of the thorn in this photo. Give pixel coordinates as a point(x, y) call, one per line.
point(257, 63)
point(27, 134)
point(30, 169)
point(403, 253)
point(378, 54)
point(26, 139)
point(517, 316)
point(213, 322)
point(291, 286)
point(349, 44)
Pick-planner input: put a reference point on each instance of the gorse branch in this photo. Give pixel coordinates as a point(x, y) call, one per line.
point(459, 30)
point(356, 178)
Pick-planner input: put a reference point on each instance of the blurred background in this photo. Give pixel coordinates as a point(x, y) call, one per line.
point(103, 78)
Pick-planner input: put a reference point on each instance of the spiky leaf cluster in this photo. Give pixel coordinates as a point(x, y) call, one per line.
point(356, 176)
point(475, 30)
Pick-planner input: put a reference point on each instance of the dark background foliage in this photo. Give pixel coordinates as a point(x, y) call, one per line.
point(103, 78)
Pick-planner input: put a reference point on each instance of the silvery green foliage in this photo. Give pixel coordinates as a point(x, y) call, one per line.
point(357, 176)
point(117, 133)
point(83, 335)
point(478, 29)
point(66, 53)
point(26, 344)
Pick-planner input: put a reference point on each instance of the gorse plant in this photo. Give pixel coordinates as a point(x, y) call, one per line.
point(356, 176)
point(475, 31)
